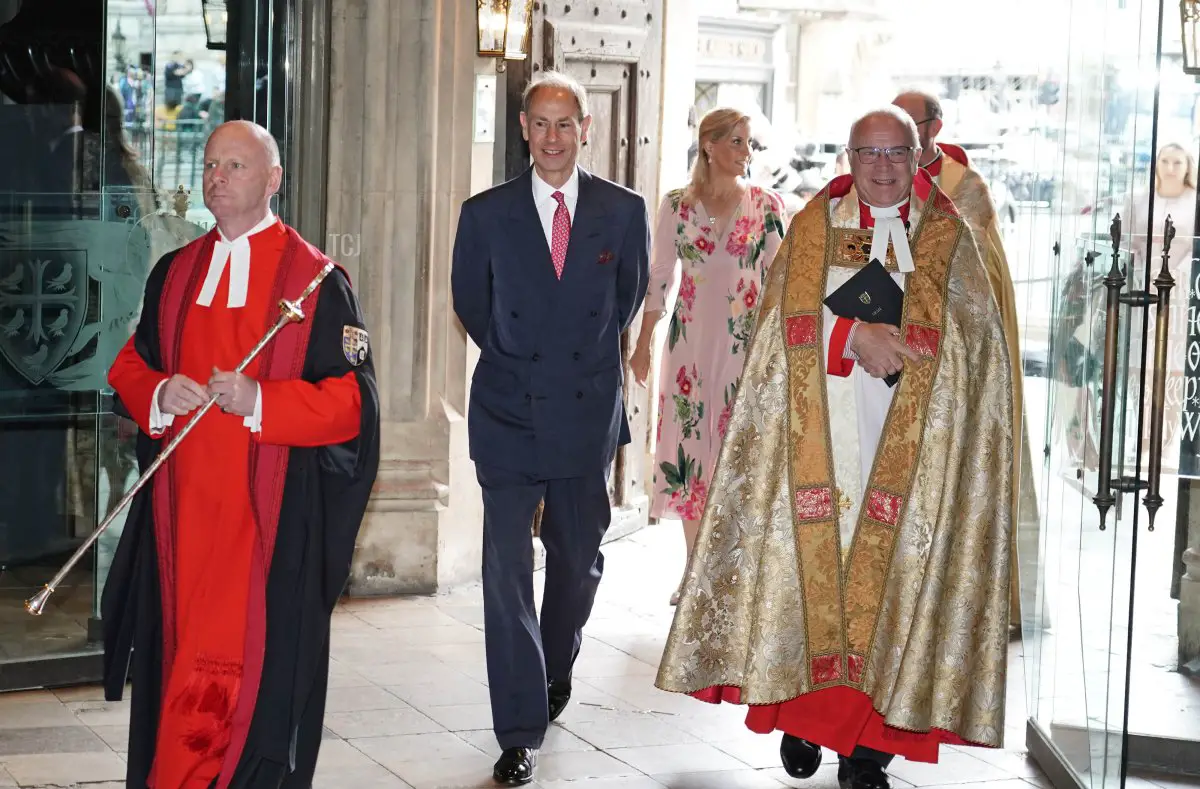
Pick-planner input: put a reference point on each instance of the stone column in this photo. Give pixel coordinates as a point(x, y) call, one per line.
point(401, 161)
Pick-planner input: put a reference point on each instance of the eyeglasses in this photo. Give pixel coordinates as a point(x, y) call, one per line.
point(896, 155)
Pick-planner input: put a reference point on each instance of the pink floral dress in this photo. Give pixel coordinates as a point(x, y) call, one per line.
point(719, 281)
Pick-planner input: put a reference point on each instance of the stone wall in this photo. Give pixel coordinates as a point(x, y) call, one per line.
point(401, 161)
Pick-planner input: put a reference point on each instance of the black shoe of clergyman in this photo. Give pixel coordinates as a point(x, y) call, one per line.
point(515, 766)
point(866, 774)
point(559, 692)
point(800, 758)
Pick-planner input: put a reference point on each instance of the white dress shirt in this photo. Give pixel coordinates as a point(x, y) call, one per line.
point(543, 200)
point(236, 254)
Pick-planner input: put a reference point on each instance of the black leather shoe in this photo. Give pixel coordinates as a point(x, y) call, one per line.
point(515, 766)
point(800, 758)
point(559, 693)
point(844, 772)
point(866, 774)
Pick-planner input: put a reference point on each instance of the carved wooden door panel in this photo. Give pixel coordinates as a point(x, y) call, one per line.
point(614, 48)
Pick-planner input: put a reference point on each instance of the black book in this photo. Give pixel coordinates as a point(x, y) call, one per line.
point(871, 296)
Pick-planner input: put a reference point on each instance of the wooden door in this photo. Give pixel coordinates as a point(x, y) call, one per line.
point(614, 48)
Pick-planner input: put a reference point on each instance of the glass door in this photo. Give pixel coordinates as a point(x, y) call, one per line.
point(1097, 583)
point(105, 108)
point(1163, 695)
point(74, 199)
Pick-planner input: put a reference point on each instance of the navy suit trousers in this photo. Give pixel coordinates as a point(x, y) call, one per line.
point(522, 654)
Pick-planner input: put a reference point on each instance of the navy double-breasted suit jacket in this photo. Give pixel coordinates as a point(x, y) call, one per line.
point(546, 398)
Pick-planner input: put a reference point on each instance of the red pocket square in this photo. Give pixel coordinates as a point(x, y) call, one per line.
point(605, 257)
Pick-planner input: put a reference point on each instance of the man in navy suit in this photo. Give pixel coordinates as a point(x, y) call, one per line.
point(549, 269)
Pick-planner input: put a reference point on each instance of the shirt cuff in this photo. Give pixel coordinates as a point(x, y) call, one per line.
point(158, 420)
point(848, 352)
point(254, 421)
point(840, 361)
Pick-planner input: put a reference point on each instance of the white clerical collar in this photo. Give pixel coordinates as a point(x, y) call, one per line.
point(543, 191)
point(236, 253)
point(890, 227)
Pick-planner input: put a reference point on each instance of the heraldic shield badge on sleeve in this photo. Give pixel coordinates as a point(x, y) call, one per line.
point(354, 344)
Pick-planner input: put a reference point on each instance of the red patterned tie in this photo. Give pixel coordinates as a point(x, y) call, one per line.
point(560, 234)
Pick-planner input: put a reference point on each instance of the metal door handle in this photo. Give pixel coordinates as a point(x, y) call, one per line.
point(1114, 282)
point(1163, 283)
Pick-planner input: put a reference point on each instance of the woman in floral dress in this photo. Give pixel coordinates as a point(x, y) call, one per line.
point(713, 240)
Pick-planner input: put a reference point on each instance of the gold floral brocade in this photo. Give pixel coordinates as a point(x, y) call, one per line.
point(971, 197)
point(914, 613)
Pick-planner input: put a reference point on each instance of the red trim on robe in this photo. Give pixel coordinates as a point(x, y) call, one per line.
point(839, 718)
point(867, 222)
point(922, 185)
point(955, 152)
point(282, 360)
point(837, 363)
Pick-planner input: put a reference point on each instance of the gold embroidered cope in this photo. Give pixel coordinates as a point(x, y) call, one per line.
point(914, 612)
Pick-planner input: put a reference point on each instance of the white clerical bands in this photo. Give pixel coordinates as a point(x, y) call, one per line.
point(235, 254)
point(890, 227)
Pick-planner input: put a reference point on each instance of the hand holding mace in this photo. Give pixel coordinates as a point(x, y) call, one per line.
point(289, 312)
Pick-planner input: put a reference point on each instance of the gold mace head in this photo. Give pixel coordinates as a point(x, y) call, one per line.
point(35, 604)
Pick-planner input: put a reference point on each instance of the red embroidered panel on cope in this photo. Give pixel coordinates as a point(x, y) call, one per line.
point(814, 504)
point(923, 340)
point(884, 507)
point(826, 668)
point(802, 330)
point(855, 667)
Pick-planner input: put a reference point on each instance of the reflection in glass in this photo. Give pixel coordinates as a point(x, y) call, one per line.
point(104, 155)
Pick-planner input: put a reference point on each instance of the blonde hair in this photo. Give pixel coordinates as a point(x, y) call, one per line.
point(717, 124)
point(1189, 177)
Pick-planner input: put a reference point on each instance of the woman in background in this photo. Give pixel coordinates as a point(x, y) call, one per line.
point(712, 243)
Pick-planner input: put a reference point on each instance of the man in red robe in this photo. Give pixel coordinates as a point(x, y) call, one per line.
point(233, 556)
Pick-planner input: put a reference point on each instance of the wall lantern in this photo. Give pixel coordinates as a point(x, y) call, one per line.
point(1189, 18)
point(216, 21)
point(118, 47)
point(504, 27)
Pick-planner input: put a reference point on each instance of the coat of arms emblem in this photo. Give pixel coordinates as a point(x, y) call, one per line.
point(355, 344)
point(43, 298)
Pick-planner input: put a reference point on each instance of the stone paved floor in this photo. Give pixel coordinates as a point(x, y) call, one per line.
point(408, 707)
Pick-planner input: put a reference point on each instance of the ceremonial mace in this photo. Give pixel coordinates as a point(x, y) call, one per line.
point(289, 312)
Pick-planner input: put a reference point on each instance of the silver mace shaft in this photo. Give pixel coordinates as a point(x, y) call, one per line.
point(289, 312)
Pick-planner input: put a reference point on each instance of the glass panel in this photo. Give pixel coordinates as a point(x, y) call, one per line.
point(105, 117)
point(74, 198)
point(1164, 702)
point(1076, 632)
